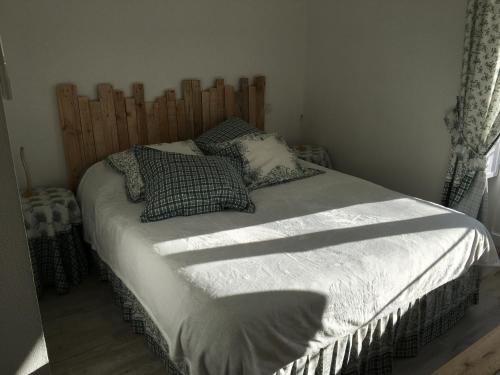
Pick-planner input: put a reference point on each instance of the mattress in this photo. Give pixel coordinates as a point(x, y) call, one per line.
point(239, 293)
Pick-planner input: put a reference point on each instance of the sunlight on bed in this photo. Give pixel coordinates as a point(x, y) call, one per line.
point(330, 224)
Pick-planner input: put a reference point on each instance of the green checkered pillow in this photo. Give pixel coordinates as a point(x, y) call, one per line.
point(265, 159)
point(126, 163)
point(232, 128)
point(184, 185)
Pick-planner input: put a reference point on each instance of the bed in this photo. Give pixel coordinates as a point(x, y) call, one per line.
point(331, 274)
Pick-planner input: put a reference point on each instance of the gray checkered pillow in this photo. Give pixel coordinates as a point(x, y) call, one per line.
point(125, 163)
point(184, 185)
point(232, 128)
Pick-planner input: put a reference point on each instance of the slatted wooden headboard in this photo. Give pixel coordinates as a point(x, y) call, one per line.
point(94, 129)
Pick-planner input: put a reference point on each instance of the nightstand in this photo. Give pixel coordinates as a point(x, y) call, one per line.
point(314, 154)
point(53, 225)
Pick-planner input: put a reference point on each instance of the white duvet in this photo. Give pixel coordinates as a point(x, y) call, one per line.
point(239, 293)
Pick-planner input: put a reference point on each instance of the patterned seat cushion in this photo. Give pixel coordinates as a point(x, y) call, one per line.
point(227, 130)
point(265, 159)
point(126, 163)
point(184, 185)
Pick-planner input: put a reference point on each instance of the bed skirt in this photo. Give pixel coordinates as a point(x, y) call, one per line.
point(58, 260)
point(369, 350)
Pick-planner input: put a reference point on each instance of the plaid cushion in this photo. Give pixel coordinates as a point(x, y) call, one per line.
point(184, 185)
point(125, 163)
point(227, 130)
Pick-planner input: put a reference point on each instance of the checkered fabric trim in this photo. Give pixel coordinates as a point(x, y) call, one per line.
point(474, 199)
point(184, 185)
point(436, 313)
point(227, 130)
point(58, 261)
point(370, 350)
point(314, 154)
point(465, 190)
point(458, 191)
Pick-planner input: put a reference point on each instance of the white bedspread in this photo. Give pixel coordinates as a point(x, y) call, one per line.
point(239, 293)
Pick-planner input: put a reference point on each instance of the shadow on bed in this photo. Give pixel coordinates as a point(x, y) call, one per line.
point(251, 329)
point(315, 240)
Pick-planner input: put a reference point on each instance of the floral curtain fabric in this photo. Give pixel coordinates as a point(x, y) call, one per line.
point(474, 124)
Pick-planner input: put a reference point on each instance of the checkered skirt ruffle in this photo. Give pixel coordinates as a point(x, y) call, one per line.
point(59, 260)
point(370, 350)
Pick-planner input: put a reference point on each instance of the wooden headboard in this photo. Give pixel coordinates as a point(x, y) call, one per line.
point(94, 129)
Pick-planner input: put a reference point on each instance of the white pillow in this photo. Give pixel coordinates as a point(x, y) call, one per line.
point(266, 159)
point(182, 147)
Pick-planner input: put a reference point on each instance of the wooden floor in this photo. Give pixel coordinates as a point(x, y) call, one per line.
point(86, 335)
point(483, 357)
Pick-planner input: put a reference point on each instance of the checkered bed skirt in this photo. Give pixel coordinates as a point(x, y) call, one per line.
point(59, 261)
point(370, 350)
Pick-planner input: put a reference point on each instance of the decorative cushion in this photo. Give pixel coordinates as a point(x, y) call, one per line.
point(265, 159)
point(126, 163)
point(184, 185)
point(232, 128)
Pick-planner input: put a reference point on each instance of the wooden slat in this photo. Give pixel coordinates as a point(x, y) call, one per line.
point(252, 115)
point(214, 109)
point(133, 133)
point(94, 129)
point(237, 104)
point(70, 124)
point(172, 115)
point(197, 108)
point(121, 121)
point(219, 85)
point(205, 109)
point(182, 129)
point(101, 149)
point(244, 98)
point(87, 132)
point(107, 98)
point(142, 127)
point(152, 120)
point(187, 94)
point(229, 101)
point(260, 88)
point(163, 119)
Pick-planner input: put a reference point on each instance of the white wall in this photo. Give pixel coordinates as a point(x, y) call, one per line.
point(380, 76)
point(158, 42)
point(23, 344)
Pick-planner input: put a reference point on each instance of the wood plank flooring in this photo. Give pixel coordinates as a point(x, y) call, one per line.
point(479, 320)
point(85, 334)
point(482, 357)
